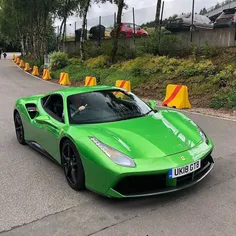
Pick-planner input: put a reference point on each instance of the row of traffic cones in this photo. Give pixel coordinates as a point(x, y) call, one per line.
point(64, 77)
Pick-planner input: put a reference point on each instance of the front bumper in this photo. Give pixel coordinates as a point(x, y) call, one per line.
point(224, 25)
point(158, 184)
point(150, 176)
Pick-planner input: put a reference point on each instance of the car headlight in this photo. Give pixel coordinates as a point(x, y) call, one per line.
point(116, 156)
point(203, 135)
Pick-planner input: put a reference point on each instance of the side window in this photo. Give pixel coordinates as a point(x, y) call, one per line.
point(53, 105)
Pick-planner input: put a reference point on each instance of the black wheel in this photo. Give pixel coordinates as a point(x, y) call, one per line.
point(72, 165)
point(193, 28)
point(123, 34)
point(19, 129)
point(144, 36)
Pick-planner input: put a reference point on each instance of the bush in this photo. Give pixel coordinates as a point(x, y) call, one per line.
point(98, 62)
point(225, 99)
point(209, 51)
point(75, 61)
point(58, 60)
point(170, 45)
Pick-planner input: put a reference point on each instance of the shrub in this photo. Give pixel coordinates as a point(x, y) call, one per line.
point(170, 45)
point(58, 60)
point(98, 62)
point(225, 99)
point(75, 61)
point(208, 51)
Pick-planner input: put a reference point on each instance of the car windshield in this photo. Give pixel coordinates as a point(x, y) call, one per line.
point(183, 16)
point(227, 13)
point(105, 106)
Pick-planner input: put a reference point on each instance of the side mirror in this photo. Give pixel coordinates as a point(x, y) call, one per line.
point(152, 104)
point(43, 119)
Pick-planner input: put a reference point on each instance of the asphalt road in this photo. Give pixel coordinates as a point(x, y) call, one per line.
point(35, 199)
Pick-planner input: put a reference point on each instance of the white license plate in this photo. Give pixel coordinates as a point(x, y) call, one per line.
point(184, 170)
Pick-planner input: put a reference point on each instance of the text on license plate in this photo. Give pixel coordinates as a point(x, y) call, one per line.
point(184, 170)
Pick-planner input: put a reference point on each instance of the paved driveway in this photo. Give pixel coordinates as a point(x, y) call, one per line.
point(36, 200)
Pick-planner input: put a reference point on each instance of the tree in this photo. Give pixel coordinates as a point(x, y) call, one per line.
point(203, 11)
point(30, 24)
point(65, 9)
point(84, 7)
point(84, 11)
point(120, 4)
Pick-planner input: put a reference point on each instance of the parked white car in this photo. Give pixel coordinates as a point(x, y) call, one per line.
point(184, 23)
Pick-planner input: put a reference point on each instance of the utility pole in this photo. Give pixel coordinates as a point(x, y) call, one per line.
point(191, 28)
point(158, 12)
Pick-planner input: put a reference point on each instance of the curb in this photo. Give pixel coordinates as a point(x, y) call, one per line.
point(167, 108)
point(37, 77)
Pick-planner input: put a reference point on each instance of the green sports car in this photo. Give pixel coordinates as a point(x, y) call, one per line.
point(111, 142)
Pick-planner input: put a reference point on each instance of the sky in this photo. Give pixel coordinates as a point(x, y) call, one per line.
point(144, 12)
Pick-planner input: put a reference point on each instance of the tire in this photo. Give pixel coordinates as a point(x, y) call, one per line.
point(193, 28)
point(19, 129)
point(144, 36)
point(123, 34)
point(72, 165)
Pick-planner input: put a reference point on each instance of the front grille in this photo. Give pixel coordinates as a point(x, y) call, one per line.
point(135, 185)
point(149, 184)
point(205, 165)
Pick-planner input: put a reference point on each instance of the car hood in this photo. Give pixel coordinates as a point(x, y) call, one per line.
point(163, 134)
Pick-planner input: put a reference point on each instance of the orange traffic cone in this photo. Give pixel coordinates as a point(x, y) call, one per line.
point(46, 75)
point(14, 56)
point(35, 71)
point(18, 61)
point(27, 67)
point(64, 79)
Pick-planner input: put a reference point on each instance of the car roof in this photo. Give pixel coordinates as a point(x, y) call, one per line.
point(77, 90)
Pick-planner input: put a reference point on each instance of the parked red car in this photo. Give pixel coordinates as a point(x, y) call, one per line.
point(127, 31)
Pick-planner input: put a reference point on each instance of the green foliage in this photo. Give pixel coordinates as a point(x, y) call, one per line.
point(209, 51)
point(58, 60)
point(225, 99)
point(98, 62)
point(170, 45)
point(75, 61)
point(164, 44)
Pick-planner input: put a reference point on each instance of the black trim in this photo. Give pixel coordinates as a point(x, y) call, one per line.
point(139, 189)
point(39, 149)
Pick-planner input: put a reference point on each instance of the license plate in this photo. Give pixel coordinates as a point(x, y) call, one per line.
point(184, 170)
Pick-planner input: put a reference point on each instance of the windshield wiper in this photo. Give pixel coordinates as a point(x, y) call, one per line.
point(148, 112)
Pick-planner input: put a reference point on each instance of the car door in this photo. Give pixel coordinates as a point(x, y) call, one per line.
point(51, 127)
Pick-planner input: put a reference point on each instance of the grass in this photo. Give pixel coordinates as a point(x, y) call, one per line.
point(211, 82)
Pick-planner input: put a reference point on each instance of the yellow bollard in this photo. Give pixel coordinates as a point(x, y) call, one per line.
point(177, 97)
point(22, 64)
point(35, 71)
point(27, 67)
point(124, 84)
point(46, 75)
point(64, 79)
point(90, 81)
point(18, 61)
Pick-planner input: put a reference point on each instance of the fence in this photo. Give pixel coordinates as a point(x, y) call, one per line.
point(132, 15)
point(138, 20)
